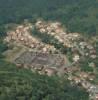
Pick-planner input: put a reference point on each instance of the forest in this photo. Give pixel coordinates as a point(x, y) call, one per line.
point(77, 15)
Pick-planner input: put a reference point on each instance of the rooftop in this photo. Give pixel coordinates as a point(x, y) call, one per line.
point(42, 59)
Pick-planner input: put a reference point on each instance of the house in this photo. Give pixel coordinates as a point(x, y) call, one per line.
point(84, 75)
point(91, 77)
point(93, 90)
point(85, 84)
point(42, 30)
point(93, 56)
point(96, 97)
point(76, 57)
point(70, 78)
point(77, 80)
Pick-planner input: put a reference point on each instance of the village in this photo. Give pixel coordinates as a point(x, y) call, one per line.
point(46, 59)
point(70, 40)
point(22, 35)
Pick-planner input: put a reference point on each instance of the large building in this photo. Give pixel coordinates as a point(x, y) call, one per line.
point(40, 61)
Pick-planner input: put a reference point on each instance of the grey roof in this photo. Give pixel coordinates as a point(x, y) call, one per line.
point(33, 58)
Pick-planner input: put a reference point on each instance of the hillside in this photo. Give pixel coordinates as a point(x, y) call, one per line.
point(22, 84)
point(48, 49)
point(77, 15)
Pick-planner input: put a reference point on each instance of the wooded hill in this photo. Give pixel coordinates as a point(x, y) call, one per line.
point(77, 15)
